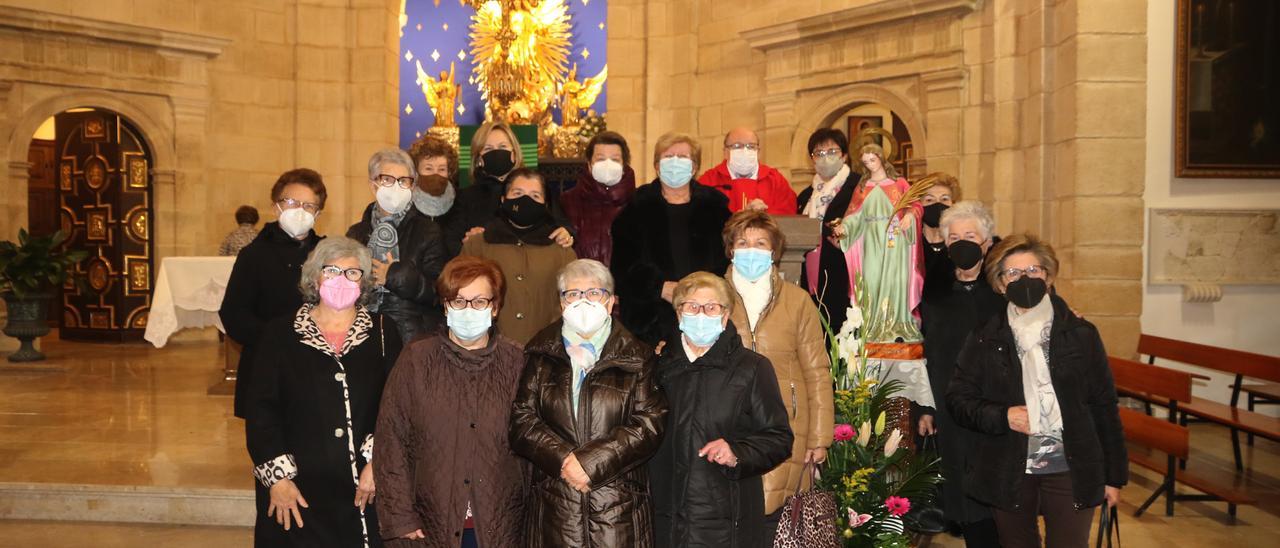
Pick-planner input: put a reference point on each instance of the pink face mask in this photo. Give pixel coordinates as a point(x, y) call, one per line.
point(339, 293)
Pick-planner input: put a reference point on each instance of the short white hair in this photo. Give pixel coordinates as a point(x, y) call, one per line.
point(391, 156)
point(968, 209)
point(585, 269)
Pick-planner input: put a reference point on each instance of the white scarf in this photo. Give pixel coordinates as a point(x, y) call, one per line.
point(755, 295)
point(1031, 333)
point(824, 192)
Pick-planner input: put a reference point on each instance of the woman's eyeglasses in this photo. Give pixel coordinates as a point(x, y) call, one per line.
point(332, 271)
point(478, 303)
point(594, 294)
point(835, 152)
point(1014, 274)
point(385, 180)
point(690, 308)
point(290, 203)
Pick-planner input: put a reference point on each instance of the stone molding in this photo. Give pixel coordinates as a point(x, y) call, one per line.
point(791, 33)
point(55, 25)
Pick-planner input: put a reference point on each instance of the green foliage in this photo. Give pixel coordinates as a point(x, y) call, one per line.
point(36, 263)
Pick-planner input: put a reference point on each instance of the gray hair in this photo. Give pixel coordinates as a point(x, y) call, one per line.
point(585, 269)
point(968, 209)
point(326, 252)
point(391, 156)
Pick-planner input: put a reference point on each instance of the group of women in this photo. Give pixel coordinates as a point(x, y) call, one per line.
point(489, 366)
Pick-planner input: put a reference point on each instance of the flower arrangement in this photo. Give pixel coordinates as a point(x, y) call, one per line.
point(874, 479)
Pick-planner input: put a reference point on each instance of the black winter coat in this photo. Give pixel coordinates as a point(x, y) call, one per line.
point(478, 203)
point(988, 381)
point(731, 393)
point(411, 281)
point(831, 292)
point(615, 430)
point(446, 223)
point(642, 259)
point(263, 285)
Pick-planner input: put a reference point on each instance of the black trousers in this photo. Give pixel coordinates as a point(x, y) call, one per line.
point(1048, 495)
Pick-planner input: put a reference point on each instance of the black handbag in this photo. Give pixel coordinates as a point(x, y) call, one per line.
point(808, 517)
point(1108, 526)
point(929, 518)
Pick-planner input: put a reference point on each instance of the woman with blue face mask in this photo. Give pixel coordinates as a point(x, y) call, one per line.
point(726, 426)
point(777, 318)
point(445, 471)
point(670, 229)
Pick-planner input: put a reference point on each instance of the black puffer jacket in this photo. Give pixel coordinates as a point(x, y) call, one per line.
point(988, 381)
point(731, 393)
point(411, 281)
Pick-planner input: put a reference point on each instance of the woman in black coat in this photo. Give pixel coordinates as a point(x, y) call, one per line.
point(1034, 382)
point(726, 427)
point(407, 247)
point(826, 271)
point(671, 228)
point(313, 405)
point(264, 279)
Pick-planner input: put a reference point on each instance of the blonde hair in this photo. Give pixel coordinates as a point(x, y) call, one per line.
point(939, 178)
point(673, 138)
point(703, 280)
point(1020, 243)
point(872, 148)
point(738, 224)
point(482, 135)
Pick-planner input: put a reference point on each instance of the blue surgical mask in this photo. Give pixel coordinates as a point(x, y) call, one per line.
point(752, 263)
point(469, 324)
point(675, 171)
point(701, 329)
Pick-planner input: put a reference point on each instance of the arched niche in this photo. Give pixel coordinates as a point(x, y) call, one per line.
point(831, 106)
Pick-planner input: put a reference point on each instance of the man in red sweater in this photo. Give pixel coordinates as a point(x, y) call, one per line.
point(746, 181)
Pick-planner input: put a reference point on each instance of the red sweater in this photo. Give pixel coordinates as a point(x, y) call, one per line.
point(769, 186)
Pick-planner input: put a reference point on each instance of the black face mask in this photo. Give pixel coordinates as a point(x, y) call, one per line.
point(497, 163)
point(965, 254)
point(524, 212)
point(933, 214)
point(1026, 292)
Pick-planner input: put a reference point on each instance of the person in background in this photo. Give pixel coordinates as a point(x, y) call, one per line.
point(1035, 384)
point(445, 471)
point(246, 230)
point(264, 279)
point(600, 194)
point(670, 229)
point(407, 247)
point(588, 416)
point(826, 272)
point(437, 188)
point(943, 191)
point(521, 241)
point(317, 382)
point(747, 182)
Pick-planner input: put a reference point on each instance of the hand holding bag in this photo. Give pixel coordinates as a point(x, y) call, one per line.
point(808, 517)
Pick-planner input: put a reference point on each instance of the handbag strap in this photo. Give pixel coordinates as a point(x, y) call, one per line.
point(1108, 522)
point(793, 507)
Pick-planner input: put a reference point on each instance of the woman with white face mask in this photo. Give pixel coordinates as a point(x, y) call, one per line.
point(588, 436)
point(407, 247)
point(599, 195)
point(264, 280)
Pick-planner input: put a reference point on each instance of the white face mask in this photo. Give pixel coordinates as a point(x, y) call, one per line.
point(393, 199)
point(585, 317)
point(743, 162)
point(296, 222)
point(434, 206)
point(607, 172)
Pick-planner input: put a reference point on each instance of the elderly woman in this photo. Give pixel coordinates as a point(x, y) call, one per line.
point(446, 473)
point(588, 415)
point(667, 232)
point(781, 322)
point(407, 247)
point(1049, 438)
point(942, 192)
point(264, 279)
point(313, 404)
point(826, 275)
point(600, 194)
point(948, 313)
point(520, 241)
point(726, 426)
point(437, 187)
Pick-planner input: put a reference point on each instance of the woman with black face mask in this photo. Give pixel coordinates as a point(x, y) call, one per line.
point(943, 192)
point(1034, 383)
point(521, 239)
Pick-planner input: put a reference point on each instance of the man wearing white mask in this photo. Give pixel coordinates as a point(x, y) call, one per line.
point(599, 195)
point(407, 247)
point(747, 182)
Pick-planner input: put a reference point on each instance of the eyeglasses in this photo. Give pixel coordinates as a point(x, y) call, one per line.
point(743, 146)
point(290, 203)
point(478, 303)
point(331, 271)
point(690, 308)
point(594, 294)
point(385, 180)
point(827, 152)
point(1014, 274)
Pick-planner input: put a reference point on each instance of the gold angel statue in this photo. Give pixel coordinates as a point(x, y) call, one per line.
point(441, 94)
point(576, 96)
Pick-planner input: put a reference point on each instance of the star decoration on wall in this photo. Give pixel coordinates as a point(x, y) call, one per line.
point(461, 55)
point(419, 27)
point(435, 55)
point(461, 109)
point(585, 53)
point(408, 55)
point(601, 26)
point(446, 27)
point(408, 109)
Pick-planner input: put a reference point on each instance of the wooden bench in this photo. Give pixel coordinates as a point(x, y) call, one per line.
point(1261, 394)
point(1235, 362)
point(1155, 438)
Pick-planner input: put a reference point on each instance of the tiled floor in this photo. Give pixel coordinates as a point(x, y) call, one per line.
point(135, 415)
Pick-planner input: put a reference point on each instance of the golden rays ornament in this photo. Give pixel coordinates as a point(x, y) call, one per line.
point(521, 49)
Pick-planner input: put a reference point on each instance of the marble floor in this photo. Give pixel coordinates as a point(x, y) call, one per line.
point(133, 415)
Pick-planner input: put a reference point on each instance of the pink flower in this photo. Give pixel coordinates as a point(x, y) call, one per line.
point(856, 520)
point(844, 432)
point(898, 506)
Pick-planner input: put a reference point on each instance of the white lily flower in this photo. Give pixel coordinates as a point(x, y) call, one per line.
point(864, 434)
point(895, 439)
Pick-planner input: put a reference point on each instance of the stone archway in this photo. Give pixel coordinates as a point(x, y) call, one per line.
point(824, 112)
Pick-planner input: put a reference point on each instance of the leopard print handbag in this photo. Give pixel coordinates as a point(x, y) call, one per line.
point(808, 517)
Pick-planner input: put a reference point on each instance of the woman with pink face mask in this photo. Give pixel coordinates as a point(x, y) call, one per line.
point(313, 403)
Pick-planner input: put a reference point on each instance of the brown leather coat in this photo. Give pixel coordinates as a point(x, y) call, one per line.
point(789, 333)
point(441, 442)
point(617, 427)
